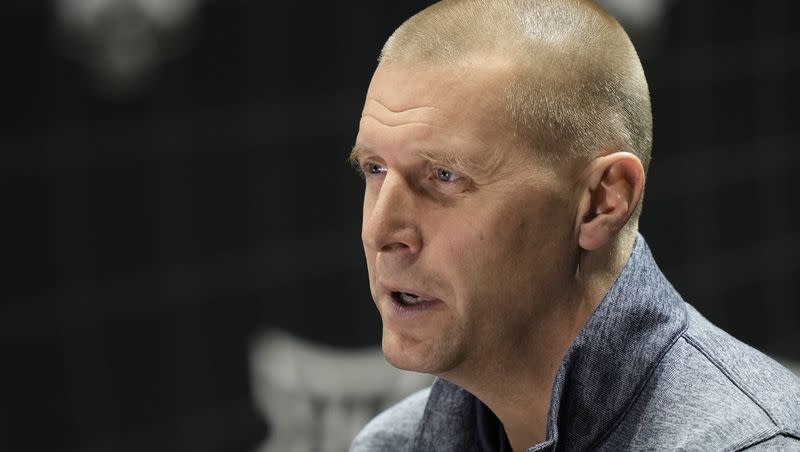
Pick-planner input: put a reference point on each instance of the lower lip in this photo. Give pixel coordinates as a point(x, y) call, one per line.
point(412, 310)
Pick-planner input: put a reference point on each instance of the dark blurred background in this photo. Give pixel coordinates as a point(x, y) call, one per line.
point(173, 186)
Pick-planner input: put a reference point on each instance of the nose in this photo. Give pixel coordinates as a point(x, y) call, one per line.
point(390, 221)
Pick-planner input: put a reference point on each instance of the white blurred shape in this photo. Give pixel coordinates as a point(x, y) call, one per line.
point(316, 398)
point(639, 14)
point(169, 12)
point(122, 41)
point(81, 13)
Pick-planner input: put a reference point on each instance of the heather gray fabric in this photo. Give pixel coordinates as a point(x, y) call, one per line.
point(647, 372)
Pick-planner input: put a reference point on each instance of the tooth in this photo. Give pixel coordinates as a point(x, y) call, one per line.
point(410, 299)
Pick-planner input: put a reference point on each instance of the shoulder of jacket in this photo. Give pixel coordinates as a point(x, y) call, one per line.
point(394, 428)
point(769, 385)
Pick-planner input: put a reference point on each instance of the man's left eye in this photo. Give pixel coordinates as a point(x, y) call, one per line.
point(445, 175)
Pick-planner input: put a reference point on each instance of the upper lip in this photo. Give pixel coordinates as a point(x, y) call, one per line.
point(421, 293)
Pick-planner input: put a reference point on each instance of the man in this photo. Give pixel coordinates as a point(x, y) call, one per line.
point(504, 145)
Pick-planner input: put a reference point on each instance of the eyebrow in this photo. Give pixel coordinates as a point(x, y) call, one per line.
point(458, 161)
point(356, 154)
point(445, 158)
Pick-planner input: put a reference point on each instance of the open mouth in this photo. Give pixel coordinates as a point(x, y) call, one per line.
point(407, 299)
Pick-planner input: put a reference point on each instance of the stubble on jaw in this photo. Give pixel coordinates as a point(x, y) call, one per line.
point(438, 354)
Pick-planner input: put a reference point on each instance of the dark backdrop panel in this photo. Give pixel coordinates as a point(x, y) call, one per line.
point(147, 238)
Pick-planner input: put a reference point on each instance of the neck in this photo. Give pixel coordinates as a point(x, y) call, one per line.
point(517, 387)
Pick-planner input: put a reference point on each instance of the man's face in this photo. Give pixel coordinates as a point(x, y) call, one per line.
point(467, 239)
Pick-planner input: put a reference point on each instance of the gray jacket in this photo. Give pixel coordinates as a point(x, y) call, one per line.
point(647, 372)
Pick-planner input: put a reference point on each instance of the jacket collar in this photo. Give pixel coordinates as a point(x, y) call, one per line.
point(600, 376)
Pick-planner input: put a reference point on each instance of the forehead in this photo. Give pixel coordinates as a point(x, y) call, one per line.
point(463, 90)
point(460, 107)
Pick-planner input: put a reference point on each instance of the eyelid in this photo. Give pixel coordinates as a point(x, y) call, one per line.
point(460, 184)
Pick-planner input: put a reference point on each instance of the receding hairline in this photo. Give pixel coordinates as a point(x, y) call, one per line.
point(579, 89)
point(558, 47)
point(500, 38)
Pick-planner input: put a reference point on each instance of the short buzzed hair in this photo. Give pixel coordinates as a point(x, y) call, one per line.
point(578, 86)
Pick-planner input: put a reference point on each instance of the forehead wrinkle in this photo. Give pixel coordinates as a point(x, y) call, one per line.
point(398, 123)
point(398, 109)
point(397, 116)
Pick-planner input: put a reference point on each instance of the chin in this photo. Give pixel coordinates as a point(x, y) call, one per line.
point(402, 352)
point(415, 355)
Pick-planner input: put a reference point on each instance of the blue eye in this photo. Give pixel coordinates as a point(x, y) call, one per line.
point(444, 175)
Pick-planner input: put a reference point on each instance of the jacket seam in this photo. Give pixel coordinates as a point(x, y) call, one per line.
point(756, 441)
point(698, 346)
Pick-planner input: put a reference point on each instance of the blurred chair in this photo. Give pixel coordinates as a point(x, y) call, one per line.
point(122, 42)
point(315, 397)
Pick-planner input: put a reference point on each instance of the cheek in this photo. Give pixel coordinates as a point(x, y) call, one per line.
point(507, 251)
point(367, 206)
point(473, 259)
point(370, 257)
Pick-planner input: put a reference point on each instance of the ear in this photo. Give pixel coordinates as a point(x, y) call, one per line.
point(612, 190)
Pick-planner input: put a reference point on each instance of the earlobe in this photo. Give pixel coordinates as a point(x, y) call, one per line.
point(613, 190)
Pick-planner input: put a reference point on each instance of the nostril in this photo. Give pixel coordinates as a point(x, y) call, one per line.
point(391, 237)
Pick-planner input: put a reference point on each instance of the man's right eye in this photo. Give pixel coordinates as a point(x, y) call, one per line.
point(372, 169)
